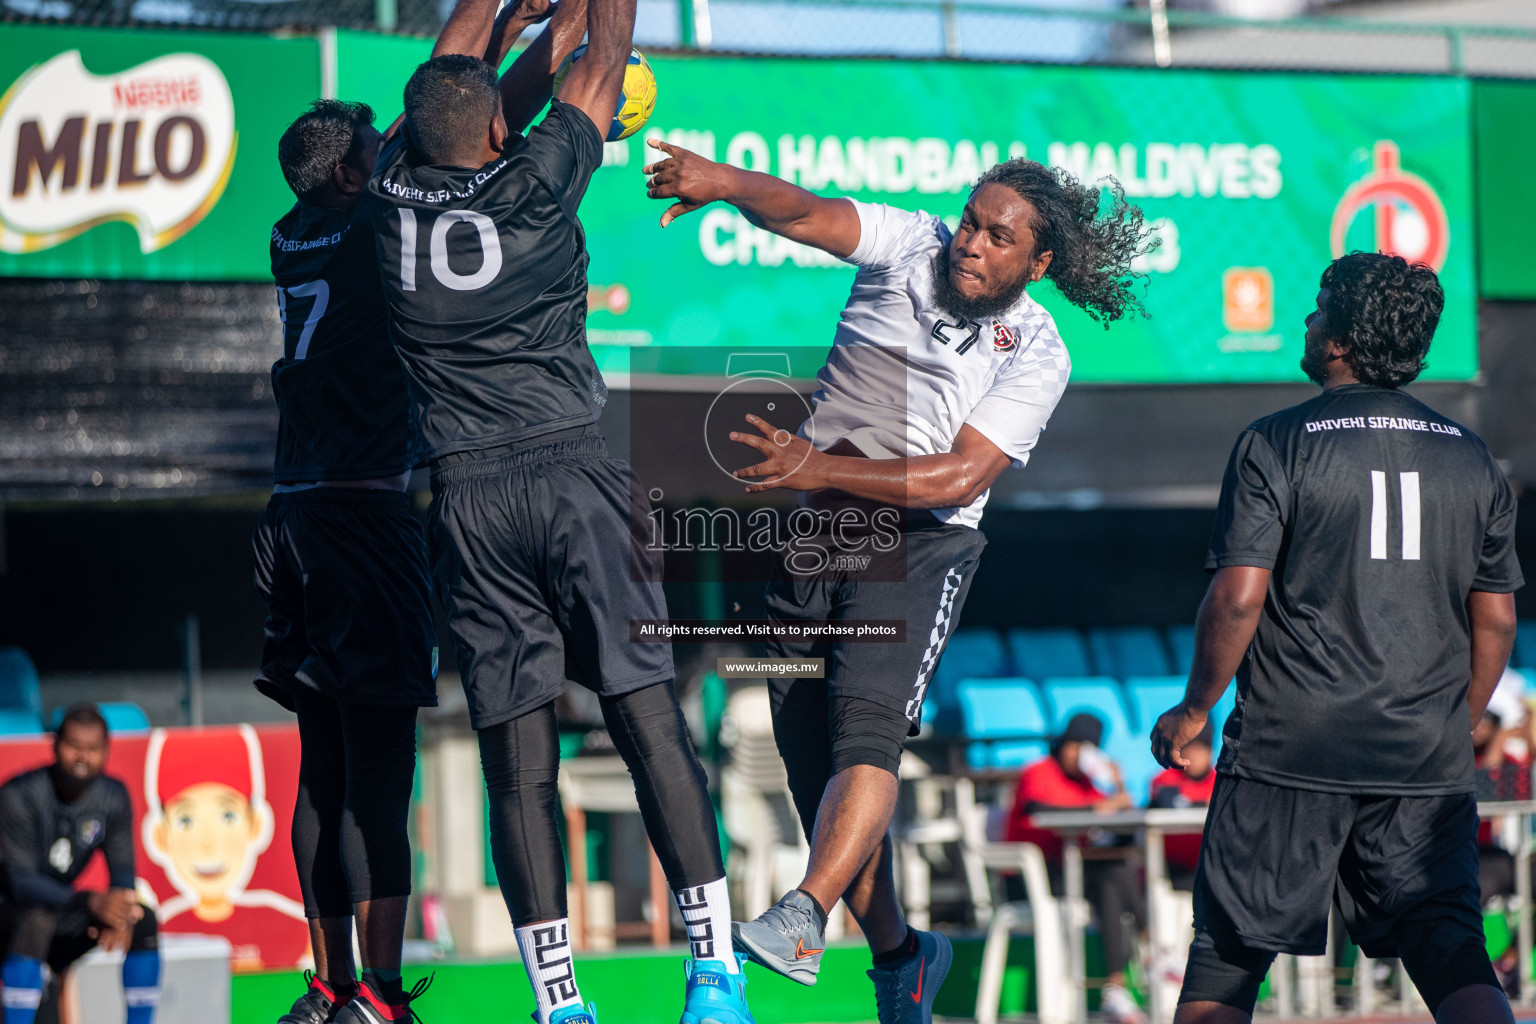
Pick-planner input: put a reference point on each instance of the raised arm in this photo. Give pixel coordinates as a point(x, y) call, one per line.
point(509, 26)
point(1492, 618)
point(1228, 618)
point(468, 29)
point(528, 83)
point(768, 202)
point(594, 82)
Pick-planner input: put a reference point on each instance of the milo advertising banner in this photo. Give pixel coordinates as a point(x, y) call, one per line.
point(212, 812)
point(144, 154)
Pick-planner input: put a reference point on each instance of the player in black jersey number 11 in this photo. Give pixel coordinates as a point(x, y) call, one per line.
point(1364, 598)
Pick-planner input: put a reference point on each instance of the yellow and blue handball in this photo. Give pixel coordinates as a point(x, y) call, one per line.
point(636, 99)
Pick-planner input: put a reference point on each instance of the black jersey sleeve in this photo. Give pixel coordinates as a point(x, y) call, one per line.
point(117, 844)
point(1255, 497)
point(1498, 567)
point(24, 851)
point(568, 149)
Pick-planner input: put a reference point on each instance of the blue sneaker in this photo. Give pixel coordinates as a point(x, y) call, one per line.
point(714, 996)
point(573, 1015)
point(904, 990)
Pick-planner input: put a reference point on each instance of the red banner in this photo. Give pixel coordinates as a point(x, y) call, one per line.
point(212, 809)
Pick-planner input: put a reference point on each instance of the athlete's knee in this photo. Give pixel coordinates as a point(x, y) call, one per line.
point(521, 752)
point(647, 726)
point(866, 733)
point(1226, 973)
point(146, 932)
point(1443, 957)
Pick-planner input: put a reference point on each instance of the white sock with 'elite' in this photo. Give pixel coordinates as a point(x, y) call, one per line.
point(706, 912)
point(546, 949)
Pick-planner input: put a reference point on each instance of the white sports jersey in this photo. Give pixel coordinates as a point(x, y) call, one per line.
point(903, 376)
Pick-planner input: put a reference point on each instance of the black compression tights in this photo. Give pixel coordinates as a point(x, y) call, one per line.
point(521, 760)
point(350, 838)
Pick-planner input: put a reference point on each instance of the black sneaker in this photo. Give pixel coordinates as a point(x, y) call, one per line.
point(371, 1008)
point(318, 1004)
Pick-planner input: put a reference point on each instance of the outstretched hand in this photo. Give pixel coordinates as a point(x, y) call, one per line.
point(790, 461)
point(692, 180)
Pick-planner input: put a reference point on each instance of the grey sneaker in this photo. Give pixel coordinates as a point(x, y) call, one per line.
point(786, 939)
point(904, 992)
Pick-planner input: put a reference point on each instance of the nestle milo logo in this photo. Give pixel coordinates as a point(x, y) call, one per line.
point(152, 146)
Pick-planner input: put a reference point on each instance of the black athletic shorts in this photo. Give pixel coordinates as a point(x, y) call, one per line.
point(344, 575)
point(926, 592)
point(532, 557)
point(1273, 857)
point(72, 937)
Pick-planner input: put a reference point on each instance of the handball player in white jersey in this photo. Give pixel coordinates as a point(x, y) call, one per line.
point(943, 373)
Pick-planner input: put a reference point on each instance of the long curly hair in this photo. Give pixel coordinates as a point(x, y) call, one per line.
point(1385, 310)
point(1093, 250)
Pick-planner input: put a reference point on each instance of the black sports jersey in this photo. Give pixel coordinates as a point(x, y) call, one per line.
point(341, 392)
point(1378, 516)
point(45, 843)
point(486, 274)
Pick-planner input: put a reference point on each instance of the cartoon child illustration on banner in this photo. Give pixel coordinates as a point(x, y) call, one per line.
point(207, 824)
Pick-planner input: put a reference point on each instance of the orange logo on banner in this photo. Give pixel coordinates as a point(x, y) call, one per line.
point(1247, 299)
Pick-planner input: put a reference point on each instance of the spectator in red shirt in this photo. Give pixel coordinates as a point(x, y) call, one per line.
point(1062, 781)
point(1189, 786)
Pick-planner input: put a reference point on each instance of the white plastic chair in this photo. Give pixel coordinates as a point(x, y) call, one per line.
point(756, 803)
point(1041, 914)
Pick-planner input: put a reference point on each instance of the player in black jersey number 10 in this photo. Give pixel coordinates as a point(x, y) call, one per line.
point(341, 561)
point(484, 266)
point(1364, 598)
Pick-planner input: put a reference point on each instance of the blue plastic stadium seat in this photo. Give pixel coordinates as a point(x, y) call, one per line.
point(970, 654)
point(1048, 653)
point(1128, 651)
point(1150, 696)
point(1181, 644)
point(1003, 709)
point(123, 717)
point(16, 722)
point(18, 682)
point(1525, 644)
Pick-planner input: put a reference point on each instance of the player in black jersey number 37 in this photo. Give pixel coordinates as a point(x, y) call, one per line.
point(484, 265)
point(1365, 569)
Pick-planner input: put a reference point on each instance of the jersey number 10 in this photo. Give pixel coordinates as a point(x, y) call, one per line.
point(1408, 485)
point(437, 247)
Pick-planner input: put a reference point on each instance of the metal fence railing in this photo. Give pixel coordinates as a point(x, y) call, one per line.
point(1052, 31)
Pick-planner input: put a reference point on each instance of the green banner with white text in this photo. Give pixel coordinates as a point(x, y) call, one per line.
point(1253, 182)
point(152, 155)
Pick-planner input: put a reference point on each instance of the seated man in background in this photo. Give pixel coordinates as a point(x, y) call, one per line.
point(1077, 775)
point(1190, 786)
point(52, 820)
